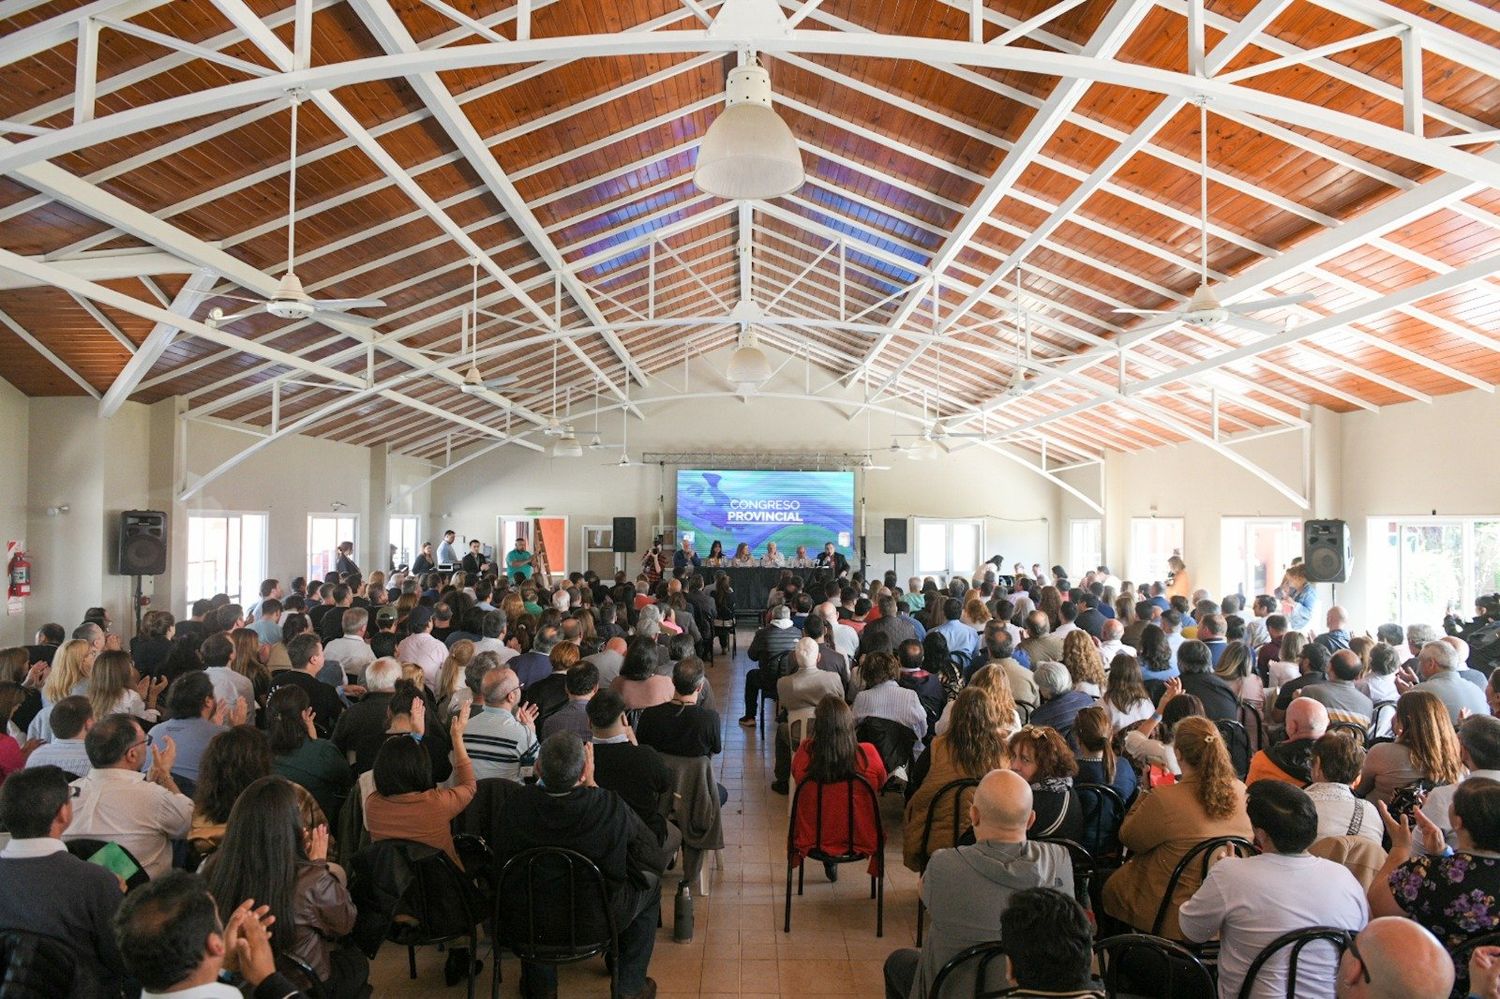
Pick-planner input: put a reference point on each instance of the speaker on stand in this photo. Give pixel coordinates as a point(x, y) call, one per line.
point(141, 550)
point(1327, 553)
point(895, 538)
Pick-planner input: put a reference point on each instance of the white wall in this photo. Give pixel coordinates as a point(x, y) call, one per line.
point(973, 483)
point(15, 413)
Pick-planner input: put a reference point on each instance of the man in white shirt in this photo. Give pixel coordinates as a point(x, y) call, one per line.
point(116, 802)
point(352, 652)
point(1110, 644)
point(492, 630)
point(1256, 632)
point(1248, 902)
point(1171, 623)
point(845, 638)
point(501, 739)
point(447, 552)
point(421, 648)
point(1109, 579)
point(1479, 748)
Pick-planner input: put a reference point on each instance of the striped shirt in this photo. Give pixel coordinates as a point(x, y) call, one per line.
point(499, 745)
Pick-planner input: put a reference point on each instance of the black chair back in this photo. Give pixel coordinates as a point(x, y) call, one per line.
point(553, 907)
point(1295, 940)
point(1103, 812)
point(35, 966)
point(1145, 965)
point(954, 789)
point(1237, 741)
point(1378, 718)
point(93, 851)
point(302, 975)
point(980, 956)
point(893, 740)
point(1203, 853)
point(1360, 733)
point(1255, 726)
point(1084, 868)
point(1464, 951)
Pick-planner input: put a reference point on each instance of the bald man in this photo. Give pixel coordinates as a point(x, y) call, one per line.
point(1291, 761)
point(1336, 637)
point(1112, 641)
point(608, 661)
point(968, 887)
point(1401, 960)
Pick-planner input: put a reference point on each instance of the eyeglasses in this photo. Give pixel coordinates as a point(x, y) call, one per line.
point(1352, 946)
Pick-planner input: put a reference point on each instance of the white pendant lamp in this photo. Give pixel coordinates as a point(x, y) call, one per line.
point(749, 153)
point(748, 365)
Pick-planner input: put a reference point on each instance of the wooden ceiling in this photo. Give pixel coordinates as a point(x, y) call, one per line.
point(969, 226)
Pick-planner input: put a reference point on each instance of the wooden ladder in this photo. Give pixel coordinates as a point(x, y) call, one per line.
point(539, 558)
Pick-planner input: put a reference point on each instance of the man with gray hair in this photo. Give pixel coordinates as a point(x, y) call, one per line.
point(501, 738)
point(1417, 635)
point(800, 691)
point(774, 640)
point(1060, 702)
point(492, 636)
point(532, 666)
point(567, 809)
point(1438, 664)
point(1111, 641)
point(365, 719)
point(352, 650)
point(1479, 748)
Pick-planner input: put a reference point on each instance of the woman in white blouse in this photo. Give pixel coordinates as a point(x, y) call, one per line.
point(114, 689)
point(1125, 699)
point(742, 556)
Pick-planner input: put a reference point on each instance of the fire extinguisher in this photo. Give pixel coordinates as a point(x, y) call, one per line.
point(20, 576)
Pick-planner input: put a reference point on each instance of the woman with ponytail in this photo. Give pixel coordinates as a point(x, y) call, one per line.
point(1165, 824)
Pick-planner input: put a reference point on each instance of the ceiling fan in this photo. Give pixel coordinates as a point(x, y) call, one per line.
point(474, 381)
point(290, 300)
point(624, 460)
point(1204, 307)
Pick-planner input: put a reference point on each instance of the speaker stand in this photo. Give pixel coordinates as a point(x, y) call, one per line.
point(136, 602)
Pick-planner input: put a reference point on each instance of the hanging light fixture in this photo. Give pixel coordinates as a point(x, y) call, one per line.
point(748, 365)
point(748, 153)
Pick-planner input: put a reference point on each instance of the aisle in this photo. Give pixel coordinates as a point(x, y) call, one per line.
point(738, 948)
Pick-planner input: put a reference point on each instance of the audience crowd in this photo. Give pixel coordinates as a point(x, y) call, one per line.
point(262, 795)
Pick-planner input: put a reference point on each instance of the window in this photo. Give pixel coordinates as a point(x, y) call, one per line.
point(226, 554)
point(948, 547)
point(1255, 551)
point(405, 531)
point(324, 534)
point(1085, 545)
point(1422, 568)
point(1153, 540)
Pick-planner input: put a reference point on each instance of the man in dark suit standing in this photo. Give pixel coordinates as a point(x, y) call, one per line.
point(831, 558)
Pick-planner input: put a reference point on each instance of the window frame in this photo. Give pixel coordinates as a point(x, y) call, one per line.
point(393, 539)
point(312, 571)
point(948, 524)
point(1147, 574)
point(265, 554)
point(1079, 563)
point(1378, 527)
point(1244, 584)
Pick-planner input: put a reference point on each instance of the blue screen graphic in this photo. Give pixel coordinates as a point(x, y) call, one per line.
point(789, 508)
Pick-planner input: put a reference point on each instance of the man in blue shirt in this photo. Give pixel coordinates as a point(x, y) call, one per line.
point(961, 637)
point(446, 553)
point(685, 556)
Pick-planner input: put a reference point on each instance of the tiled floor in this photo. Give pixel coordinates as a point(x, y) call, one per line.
point(738, 948)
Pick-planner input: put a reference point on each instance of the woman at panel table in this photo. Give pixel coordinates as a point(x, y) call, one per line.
point(716, 555)
point(774, 559)
point(742, 556)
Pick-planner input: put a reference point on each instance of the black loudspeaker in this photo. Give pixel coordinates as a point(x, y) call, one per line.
point(624, 535)
point(143, 543)
point(1326, 551)
point(895, 535)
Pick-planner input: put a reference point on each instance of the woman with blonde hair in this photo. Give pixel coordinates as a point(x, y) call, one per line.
point(1426, 749)
point(452, 692)
point(1179, 581)
point(247, 662)
point(71, 665)
point(114, 689)
point(995, 684)
point(405, 604)
point(1085, 665)
point(974, 744)
point(1164, 825)
point(1237, 669)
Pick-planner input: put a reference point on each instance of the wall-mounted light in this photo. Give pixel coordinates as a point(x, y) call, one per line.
point(53, 511)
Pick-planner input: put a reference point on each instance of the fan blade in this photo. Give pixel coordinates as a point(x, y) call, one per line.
point(1253, 325)
point(240, 298)
point(259, 310)
point(323, 315)
point(340, 304)
point(1145, 312)
point(1270, 303)
point(1157, 325)
point(503, 380)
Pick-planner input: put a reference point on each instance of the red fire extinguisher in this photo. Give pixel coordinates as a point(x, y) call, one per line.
point(20, 576)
